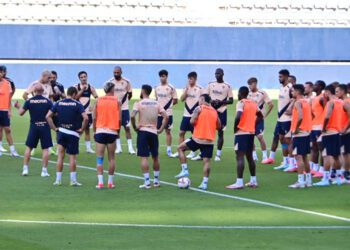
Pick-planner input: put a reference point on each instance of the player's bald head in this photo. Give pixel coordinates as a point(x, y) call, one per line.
point(118, 68)
point(219, 71)
point(45, 76)
point(38, 89)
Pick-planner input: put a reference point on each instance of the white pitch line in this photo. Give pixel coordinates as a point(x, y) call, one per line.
point(171, 226)
point(269, 204)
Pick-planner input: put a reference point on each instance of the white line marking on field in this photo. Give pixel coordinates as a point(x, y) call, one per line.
point(169, 226)
point(269, 204)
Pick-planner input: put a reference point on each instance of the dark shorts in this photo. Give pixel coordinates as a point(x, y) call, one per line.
point(282, 128)
point(4, 119)
point(167, 126)
point(125, 118)
point(315, 134)
point(147, 143)
point(244, 143)
point(345, 143)
point(259, 128)
point(331, 145)
point(186, 125)
point(105, 138)
point(206, 149)
point(37, 133)
point(69, 142)
point(90, 120)
point(223, 119)
point(301, 145)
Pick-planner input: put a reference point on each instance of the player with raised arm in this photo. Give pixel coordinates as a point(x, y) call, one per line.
point(190, 96)
point(85, 91)
point(147, 134)
point(72, 120)
point(220, 93)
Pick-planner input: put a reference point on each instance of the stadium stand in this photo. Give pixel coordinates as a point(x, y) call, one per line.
point(270, 13)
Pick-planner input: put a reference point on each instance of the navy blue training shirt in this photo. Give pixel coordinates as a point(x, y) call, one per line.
point(38, 106)
point(68, 113)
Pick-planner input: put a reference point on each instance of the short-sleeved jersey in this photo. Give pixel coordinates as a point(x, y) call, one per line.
point(122, 90)
point(85, 98)
point(221, 92)
point(5, 95)
point(47, 89)
point(192, 99)
point(148, 110)
point(283, 101)
point(13, 86)
point(69, 113)
point(260, 97)
point(55, 88)
point(38, 106)
point(165, 94)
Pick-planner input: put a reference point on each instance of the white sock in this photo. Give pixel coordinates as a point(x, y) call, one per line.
point(44, 169)
point(12, 148)
point(25, 167)
point(130, 143)
point(272, 155)
point(285, 160)
point(264, 153)
point(110, 179)
point(184, 167)
point(88, 144)
point(218, 152)
point(239, 182)
point(168, 148)
point(100, 178)
point(205, 180)
point(119, 146)
point(301, 178)
point(253, 179)
point(290, 161)
point(73, 176)
point(325, 176)
point(308, 178)
point(321, 169)
point(58, 176)
point(255, 155)
point(147, 181)
point(339, 172)
point(316, 168)
point(156, 176)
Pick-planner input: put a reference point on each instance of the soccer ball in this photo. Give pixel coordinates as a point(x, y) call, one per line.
point(184, 183)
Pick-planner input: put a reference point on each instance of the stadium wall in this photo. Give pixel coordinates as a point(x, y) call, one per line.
point(310, 54)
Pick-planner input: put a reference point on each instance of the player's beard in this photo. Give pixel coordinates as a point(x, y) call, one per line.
point(141, 97)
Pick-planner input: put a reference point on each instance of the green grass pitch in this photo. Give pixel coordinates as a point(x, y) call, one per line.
point(123, 213)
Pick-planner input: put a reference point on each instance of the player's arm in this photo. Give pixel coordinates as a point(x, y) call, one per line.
point(21, 110)
point(184, 95)
point(174, 95)
point(299, 108)
point(327, 116)
point(195, 115)
point(237, 120)
point(259, 117)
point(80, 92)
point(25, 95)
point(347, 111)
point(94, 115)
point(165, 121)
point(120, 113)
point(94, 93)
point(49, 120)
point(129, 91)
point(84, 123)
point(133, 120)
